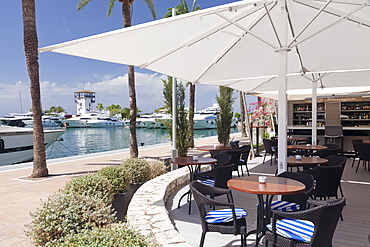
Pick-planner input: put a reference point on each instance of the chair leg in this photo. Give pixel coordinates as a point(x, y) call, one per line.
point(358, 164)
point(202, 239)
point(246, 166)
point(271, 160)
point(264, 157)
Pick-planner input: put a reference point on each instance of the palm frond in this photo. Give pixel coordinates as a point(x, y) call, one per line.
point(151, 7)
point(110, 7)
point(82, 4)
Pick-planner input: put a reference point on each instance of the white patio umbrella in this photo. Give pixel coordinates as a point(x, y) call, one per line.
point(240, 41)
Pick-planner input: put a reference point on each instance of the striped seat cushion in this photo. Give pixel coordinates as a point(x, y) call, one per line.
point(284, 206)
point(210, 182)
point(301, 230)
point(224, 215)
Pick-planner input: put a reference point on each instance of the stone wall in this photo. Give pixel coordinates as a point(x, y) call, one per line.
point(147, 210)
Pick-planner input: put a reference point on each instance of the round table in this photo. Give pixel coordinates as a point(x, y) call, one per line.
point(305, 162)
point(307, 148)
point(212, 149)
point(193, 165)
point(273, 186)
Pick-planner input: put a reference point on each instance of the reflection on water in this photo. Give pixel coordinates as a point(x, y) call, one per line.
point(91, 140)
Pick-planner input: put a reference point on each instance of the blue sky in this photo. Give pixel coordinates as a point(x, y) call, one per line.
point(61, 75)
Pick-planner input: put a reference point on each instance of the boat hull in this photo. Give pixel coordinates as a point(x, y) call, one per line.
point(16, 144)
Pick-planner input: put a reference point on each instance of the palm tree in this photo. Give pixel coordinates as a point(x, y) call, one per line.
point(242, 110)
point(31, 52)
point(183, 8)
point(126, 14)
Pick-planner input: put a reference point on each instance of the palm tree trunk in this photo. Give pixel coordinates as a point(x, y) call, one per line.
point(134, 152)
point(191, 115)
point(242, 113)
point(31, 52)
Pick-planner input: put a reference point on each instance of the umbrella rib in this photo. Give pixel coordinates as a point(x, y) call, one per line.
point(249, 31)
point(342, 16)
point(193, 40)
point(272, 24)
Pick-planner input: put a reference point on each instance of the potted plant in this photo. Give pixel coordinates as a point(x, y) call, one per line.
point(139, 170)
point(120, 179)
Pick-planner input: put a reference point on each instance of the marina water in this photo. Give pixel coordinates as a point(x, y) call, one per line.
point(77, 141)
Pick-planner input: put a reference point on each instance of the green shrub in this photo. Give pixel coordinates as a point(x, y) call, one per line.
point(63, 214)
point(139, 169)
point(118, 176)
point(119, 235)
point(92, 185)
point(157, 168)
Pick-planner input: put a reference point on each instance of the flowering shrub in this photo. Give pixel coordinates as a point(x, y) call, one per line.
point(157, 168)
point(120, 235)
point(139, 169)
point(62, 214)
point(118, 176)
point(91, 185)
point(262, 110)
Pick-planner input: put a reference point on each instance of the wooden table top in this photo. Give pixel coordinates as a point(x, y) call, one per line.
point(213, 148)
point(306, 161)
point(305, 147)
point(189, 161)
point(259, 126)
point(273, 185)
point(295, 139)
point(366, 141)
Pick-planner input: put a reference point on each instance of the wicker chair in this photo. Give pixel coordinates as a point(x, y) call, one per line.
point(354, 142)
point(223, 159)
point(217, 177)
point(235, 158)
point(244, 158)
point(335, 160)
point(296, 201)
point(331, 150)
point(232, 220)
point(363, 150)
point(269, 149)
point(322, 221)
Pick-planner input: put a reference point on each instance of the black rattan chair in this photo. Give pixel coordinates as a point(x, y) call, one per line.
point(244, 158)
point(223, 159)
point(217, 177)
point(235, 158)
point(236, 223)
point(269, 149)
point(335, 160)
point(331, 150)
point(363, 150)
point(322, 219)
point(355, 149)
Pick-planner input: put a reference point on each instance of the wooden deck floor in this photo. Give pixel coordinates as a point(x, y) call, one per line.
point(353, 231)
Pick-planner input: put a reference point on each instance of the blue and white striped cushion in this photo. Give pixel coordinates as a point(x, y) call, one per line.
point(210, 182)
point(284, 206)
point(224, 215)
point(301, 230)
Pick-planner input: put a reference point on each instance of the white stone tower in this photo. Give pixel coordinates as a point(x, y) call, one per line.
point(84, 100)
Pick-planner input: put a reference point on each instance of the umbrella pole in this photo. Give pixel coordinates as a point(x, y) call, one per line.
point(314, 112)
point(174, 151)
point(283, 105)
point(248, 126)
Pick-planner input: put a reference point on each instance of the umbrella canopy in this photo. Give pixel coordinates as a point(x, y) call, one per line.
point(243, 43)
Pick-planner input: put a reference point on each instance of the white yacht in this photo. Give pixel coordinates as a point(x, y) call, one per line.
point(206, 119)
point(16, 144)
point(26, 120)
point(94, 120)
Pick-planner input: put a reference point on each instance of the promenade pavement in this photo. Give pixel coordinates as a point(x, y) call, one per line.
point(19, 195)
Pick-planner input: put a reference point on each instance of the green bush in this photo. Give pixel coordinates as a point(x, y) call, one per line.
point(157, 168)
point(62, 214)
point(139, 169)
point(120, 235)
point(119, 177)
point(92, 185)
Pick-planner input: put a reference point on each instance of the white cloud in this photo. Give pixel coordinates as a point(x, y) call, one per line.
point(109, 90)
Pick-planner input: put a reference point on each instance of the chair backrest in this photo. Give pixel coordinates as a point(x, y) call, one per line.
point(327, 180)
point(223, 159)
point(222, 175)
point(333, 130)
point(326, 152)
point(334, 160)
point(301, 198)
point(268, 146)
point(245, 153)
point(202, 194)
point(363, 150)
point(332, 146)
point(325, 220)
point(354, 144)
point(235, 157)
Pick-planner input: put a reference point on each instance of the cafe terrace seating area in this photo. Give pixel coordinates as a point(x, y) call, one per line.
point(353, 230)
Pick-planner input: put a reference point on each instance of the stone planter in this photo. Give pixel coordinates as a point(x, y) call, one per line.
point(122, 200)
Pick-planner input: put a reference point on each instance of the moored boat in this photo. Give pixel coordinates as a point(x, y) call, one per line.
point(16, 143)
